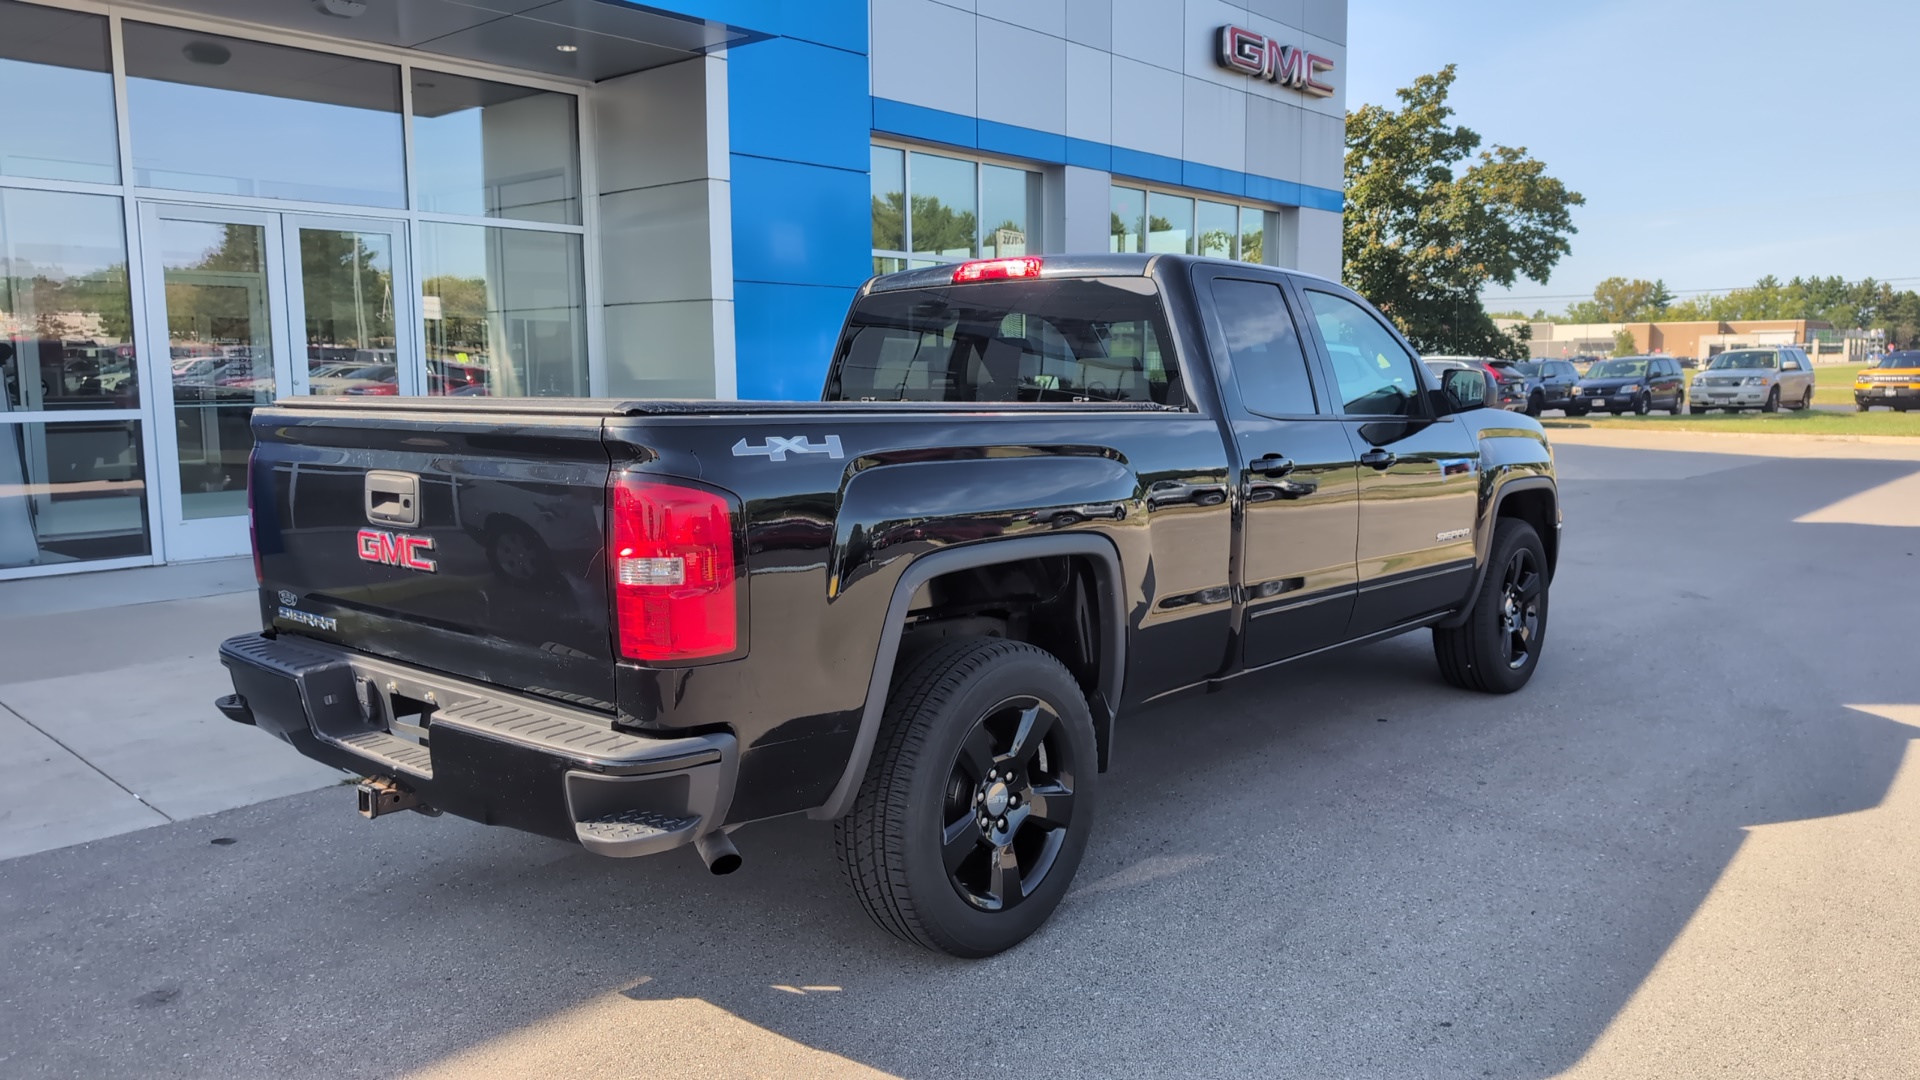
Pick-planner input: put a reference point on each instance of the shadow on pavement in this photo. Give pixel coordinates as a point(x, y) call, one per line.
point(1342, 869)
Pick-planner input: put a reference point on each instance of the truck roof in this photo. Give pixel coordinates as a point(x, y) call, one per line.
point(1098, 264)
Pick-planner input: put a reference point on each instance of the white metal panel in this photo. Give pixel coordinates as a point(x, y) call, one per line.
point(1200, 41)
point(655, 244)
point(921, 54)
point(1089, 94)
point(1215, 129)
point(1090, 23)
point(661, 350)
point(1149, 31)
point(1047, 16)
point(1023, 77)
point(1274, 133)
point(1148, 107)
point(1323, 148)
point(1326, 19)
point(1320, 243)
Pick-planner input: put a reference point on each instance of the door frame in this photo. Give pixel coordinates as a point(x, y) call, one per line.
point(183, 539)
point(409, 336)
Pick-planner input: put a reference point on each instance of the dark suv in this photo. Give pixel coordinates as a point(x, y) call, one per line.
point(1545, 384)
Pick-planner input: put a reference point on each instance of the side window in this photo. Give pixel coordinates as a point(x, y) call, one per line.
point(1790, 361)
point(1375, 374)
point(1268, 361)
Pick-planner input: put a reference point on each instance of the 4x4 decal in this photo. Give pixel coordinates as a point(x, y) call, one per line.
point(776, 448)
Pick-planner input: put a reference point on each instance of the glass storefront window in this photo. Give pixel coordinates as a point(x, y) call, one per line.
point(56, 86)
point(1129, 219)
point(66, 321)
point(889, 200)
point(1217, 223)
point(346, 286)
point(944, 198)
point(220, 345)
point(489, 149)
point(1252, 230)
point(1170, 224)
point(505, 311)
point(1010, 204)
point(71, 492)
point(234, 117)
point(1181, 224)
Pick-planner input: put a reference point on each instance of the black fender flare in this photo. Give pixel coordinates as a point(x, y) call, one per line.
point(1525, 483)
point(1105, 701)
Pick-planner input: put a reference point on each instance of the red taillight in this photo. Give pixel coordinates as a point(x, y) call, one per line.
point(253, 530)
point(995, 269)
point(670, 550)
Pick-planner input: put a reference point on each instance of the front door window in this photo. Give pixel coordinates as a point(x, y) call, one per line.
point(347, 319)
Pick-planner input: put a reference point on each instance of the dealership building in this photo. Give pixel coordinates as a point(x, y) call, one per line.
point(208, 204)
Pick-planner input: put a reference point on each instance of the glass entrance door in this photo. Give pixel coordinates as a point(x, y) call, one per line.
point(253, 306)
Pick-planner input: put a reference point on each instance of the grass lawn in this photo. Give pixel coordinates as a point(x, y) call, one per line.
point(1810, 422)
point(1833, 383)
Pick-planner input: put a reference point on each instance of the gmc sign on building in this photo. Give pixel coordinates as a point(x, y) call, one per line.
point(1264, 58)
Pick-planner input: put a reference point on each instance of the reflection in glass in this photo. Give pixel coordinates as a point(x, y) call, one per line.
point(56, 96)
point(885, 265)
point(504, 311)
point(71, 492)
point(234, 117)
point(1170, 224)
point(945, 221)
point(220, 342)
point(1010, 204)
point(66, 323)
point(1129, 219)
point(889, 200)
point(1252, 230)
point(346, 284)
point(1216, 224)
point(491, 149)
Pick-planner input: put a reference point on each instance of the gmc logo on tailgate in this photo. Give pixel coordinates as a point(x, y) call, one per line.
point(396, 549)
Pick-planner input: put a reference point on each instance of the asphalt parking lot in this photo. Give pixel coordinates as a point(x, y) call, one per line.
point(1690, 847)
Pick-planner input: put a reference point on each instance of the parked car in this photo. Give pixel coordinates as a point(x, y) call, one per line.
point(914, 609)
point(1545, 384)
point(1893, 381)
point(1490, 394)
point(1509, 388)
point(1636, 384)
point(1755, 378)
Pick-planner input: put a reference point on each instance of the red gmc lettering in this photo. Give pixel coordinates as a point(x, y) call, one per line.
point(1262, 57)
point(390, 549)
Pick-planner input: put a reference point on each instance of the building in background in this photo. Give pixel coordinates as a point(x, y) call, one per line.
point(1687, 340)
point(208, 204)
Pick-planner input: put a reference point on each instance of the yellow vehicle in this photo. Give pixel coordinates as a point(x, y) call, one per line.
point(1893, 382)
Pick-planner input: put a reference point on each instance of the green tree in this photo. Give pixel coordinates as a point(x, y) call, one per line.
point(1623, 343)
point(1619, 299)
point(1430, 223)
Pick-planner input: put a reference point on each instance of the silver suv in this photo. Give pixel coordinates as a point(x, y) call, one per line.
point(1764, 378)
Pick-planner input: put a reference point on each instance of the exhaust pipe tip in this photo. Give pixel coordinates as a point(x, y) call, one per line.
point(718, 852)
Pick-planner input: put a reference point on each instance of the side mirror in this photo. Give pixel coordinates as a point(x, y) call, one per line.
point(1465, 389)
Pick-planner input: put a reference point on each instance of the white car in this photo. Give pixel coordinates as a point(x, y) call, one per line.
point(1763, 378)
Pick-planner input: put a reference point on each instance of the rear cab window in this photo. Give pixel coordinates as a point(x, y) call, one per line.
point(1059, 339)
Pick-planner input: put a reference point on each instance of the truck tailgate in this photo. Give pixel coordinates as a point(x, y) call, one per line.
point(462, 537)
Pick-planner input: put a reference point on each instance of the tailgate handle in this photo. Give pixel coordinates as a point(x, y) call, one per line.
point(393, 498)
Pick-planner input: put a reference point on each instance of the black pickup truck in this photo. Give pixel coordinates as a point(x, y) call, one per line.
point(1035, 493)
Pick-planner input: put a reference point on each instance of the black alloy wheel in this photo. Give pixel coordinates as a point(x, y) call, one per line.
point(1643, 404)
point(1521, 586)
point(1008, 806)
point(1497, 648)
point(978, 800)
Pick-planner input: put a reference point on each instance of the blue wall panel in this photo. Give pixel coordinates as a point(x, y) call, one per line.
point(784, 335)
point(800, 121)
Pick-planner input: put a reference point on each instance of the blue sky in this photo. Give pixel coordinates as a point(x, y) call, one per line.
point(1716, 141)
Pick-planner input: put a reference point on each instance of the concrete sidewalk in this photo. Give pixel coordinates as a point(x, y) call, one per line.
point(107, 724)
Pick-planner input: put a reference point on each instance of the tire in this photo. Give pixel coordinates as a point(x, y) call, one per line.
point(1697, 410)
point(1863, 406)
point(1643, 404)
point(946, 721)
point(1806, 401)
point(1773, 401)
point(1679, 405)
point(1577, 410)
point(1536, 403)
point(1476, 655)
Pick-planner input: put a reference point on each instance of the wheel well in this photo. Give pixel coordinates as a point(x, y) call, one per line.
point(1054, 603)
point(1536, 507)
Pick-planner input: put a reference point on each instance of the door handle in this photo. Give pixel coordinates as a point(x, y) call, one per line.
point(1378, 459)
point(1273, 465)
